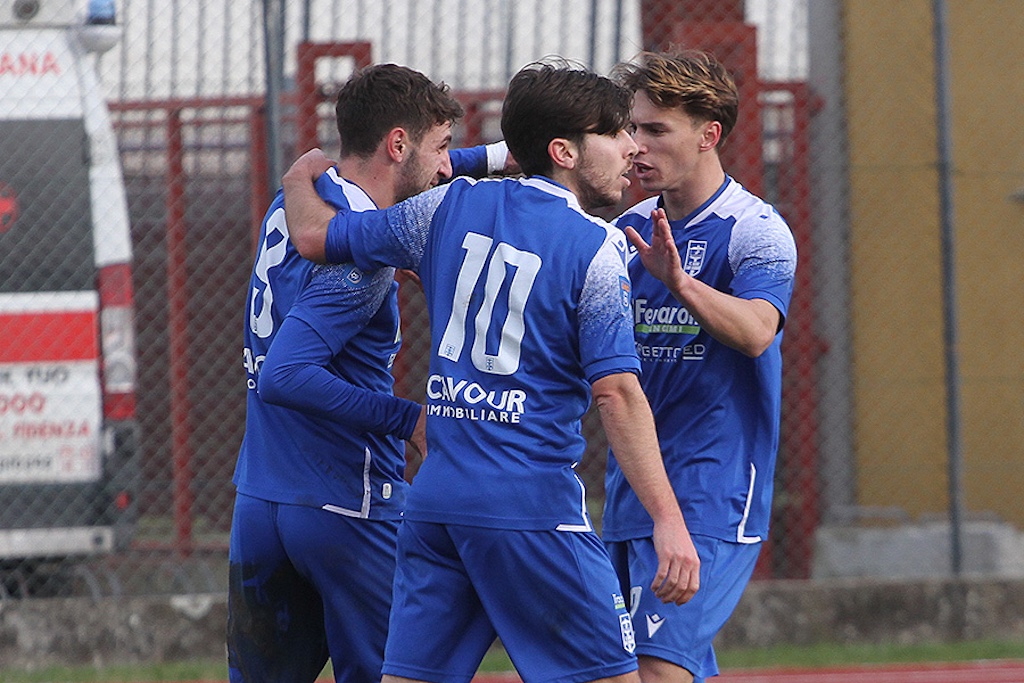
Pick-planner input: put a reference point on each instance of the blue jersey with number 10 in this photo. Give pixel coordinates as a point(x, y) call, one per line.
point(529, 303)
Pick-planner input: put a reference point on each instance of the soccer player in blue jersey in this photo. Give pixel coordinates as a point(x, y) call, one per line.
point(710, 291)
point(530, 319)
point(320, 486)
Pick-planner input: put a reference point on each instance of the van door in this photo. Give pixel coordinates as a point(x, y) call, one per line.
point(68, 443)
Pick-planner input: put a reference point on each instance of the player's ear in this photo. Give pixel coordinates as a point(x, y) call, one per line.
point(711, 135)
point(564, 153)
point(396, 144)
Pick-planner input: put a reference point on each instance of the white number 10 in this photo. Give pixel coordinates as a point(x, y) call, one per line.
point(526, 264)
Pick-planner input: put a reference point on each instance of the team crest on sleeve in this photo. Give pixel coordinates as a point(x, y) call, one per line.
point(694, 260)
point(353, 274)
point(624, 292)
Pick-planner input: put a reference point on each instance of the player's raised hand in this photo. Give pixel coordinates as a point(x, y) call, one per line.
point(660, 257)
point(678, 576)
point(511, 165)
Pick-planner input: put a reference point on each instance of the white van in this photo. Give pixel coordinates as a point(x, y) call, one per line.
point(68, 434)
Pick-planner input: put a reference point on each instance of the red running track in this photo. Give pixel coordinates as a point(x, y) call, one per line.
point(996, 671)
point(966, 672)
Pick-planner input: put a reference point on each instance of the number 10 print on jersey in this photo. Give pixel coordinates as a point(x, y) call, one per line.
point(526, 266)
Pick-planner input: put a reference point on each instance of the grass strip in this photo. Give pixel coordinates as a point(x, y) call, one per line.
point(496, 661)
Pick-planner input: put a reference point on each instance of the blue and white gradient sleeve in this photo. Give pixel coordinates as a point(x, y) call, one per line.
point(606, 314)
point(762, 254)
point(396, 236)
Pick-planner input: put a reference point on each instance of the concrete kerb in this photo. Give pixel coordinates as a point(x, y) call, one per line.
point(37, 633)
point(875, 611)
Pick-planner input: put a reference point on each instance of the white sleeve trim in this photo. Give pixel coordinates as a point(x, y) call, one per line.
point(497, 156)
point(741, 531)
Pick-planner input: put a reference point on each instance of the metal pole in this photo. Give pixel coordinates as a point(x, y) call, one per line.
point(945, 177)
point(592, 44)
point(178, 330)
point(617, 51)
point(306, 21)
point(510, 38)
point(273, 52)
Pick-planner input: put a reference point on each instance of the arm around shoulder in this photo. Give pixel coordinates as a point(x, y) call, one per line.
point(306, 214)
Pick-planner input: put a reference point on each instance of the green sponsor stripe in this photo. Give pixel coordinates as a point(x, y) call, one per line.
point(668, 329)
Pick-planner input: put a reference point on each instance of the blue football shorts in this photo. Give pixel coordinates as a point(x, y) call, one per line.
point(305, 583)
point(682, 634)
point(550, 596)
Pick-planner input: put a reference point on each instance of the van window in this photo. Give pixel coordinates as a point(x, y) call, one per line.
point(48, 247)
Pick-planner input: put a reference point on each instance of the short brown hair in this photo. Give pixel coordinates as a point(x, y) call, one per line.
point(382, 97)
point(557, 99)
point(692, 80)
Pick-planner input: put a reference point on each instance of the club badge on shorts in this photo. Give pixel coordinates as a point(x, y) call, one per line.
point(628, 636)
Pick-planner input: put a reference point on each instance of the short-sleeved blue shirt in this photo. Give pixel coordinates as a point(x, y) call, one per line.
point(529, 303)
point(717, 410)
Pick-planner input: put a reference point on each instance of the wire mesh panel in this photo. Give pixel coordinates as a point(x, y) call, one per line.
point(68, 446)
point(188, 170)
point(137, 159)
point(186, 91)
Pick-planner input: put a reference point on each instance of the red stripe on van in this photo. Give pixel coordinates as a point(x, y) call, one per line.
point(48, 336)
point(116, 285)
point(119, 406)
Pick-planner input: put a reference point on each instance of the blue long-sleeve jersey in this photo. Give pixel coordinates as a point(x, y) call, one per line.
point(341, 451)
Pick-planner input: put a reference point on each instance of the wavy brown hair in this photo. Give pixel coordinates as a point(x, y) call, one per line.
point(691, 80)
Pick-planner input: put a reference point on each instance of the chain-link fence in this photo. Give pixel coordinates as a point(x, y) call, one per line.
point(137, 159)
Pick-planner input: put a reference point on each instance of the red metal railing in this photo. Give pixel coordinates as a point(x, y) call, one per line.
point(176, 151)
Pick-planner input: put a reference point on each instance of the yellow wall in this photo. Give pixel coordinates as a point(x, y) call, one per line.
point(896, 276)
